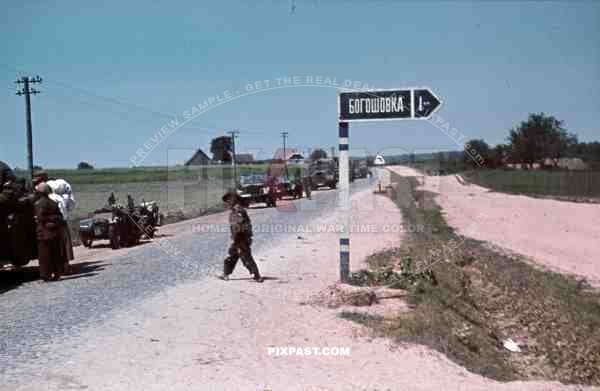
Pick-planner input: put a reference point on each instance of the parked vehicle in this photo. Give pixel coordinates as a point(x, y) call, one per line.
point(253, 189)
point(123, 227)
point(323, 172)
point(359, 168)
point(290, 187)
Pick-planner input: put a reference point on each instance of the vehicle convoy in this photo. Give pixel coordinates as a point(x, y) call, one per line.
point(289, 187)
point(254, 188)
point(359, 168)
point(123, 227)
point(323, 172)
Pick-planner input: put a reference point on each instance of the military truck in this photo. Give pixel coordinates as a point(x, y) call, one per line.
point(255, 188)
point(323, 172)
point(359, 168)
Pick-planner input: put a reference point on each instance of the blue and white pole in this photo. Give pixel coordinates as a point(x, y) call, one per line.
point(344, 198)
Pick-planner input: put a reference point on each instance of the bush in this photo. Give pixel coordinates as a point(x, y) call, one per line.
point(85, 166)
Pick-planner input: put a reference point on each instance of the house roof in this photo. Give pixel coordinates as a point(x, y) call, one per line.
point(198, 157)
point(244, 157)
point(289, 152)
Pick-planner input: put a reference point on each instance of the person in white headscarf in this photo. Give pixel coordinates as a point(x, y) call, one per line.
point(63, 189)
point(62, 194)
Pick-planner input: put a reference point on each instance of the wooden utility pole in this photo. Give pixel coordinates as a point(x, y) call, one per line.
point(233, 134)
point(27, 91)
point(284, 135)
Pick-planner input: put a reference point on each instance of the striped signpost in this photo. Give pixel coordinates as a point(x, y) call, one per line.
point(377, 105)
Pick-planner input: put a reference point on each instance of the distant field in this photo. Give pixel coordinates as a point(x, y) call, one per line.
point(560, 184)
point(145, 174)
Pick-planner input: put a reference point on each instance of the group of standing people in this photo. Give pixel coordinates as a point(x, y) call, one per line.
point(40, 223)
point(52, 207)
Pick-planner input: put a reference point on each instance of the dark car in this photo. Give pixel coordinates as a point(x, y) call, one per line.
point(324, 172)
point(358, 169)
point(123, 227)
point(255, 189)
point(290, 187)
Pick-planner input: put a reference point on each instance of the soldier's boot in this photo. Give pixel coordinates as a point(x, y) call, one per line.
point(250, 264)
point(229, 263)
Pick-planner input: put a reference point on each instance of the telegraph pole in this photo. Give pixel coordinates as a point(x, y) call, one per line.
point(233, 134)
point(284, 135)
point(27, 91)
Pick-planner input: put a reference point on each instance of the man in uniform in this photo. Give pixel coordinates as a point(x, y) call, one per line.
point(130, 203)
point(111, 199)
point(49, 226)
point(39, 177)
point(6, 173)
point(306, 184)
point(241, 234)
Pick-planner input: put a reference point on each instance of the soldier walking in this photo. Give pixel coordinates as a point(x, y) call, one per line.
point(241, 234)
point(306, 183)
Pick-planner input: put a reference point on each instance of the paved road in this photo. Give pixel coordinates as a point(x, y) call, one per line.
point(33, 313)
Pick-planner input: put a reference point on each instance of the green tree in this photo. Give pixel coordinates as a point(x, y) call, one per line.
point(476, 153)
point(221, 148)
point(84, 166)
point(539, 138)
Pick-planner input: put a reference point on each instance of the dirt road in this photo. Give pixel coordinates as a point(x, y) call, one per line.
point(215, 335)
point(559, 235)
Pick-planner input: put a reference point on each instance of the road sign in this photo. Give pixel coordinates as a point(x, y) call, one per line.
point(385, 105)
point(378, 105)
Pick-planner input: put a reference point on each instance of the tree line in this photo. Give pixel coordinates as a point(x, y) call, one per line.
point(541, 139)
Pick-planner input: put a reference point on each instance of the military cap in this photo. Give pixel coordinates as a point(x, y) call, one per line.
point(231, 194)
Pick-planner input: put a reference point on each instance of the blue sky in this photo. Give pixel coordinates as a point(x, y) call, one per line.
point(116, 72)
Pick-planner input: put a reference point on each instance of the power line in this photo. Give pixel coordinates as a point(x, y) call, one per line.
point(111, 100)
point(114, 101)
point(27, 91)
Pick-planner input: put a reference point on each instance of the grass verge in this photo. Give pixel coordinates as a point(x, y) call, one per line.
point(467, 299)
point(575, 186)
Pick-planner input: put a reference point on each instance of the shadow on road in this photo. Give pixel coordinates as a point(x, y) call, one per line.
point(84, 269)
point(160, 236)
point(13, 278)
point(251, 279)
point(142, 242)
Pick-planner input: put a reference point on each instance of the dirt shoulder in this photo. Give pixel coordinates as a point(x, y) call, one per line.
point(467, 300)
point(216, 335)
point(562, 236)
